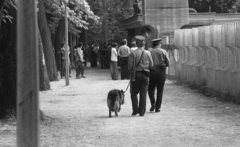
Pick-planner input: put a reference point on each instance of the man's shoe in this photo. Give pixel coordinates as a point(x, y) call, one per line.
point(135, 113)
point(152, 108)
point(157, 110)
point(141, 114)
point(83, 77)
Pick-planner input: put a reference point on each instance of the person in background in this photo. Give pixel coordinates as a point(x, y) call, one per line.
point(108, 55)
point(63, 60)
point(81, 61)
point(77, 61)
point(133, 46)
point(102, 55)
point(113, 62)
point(88, 53)
point(124, 53)
point(140, 61)
point(84, 55)
point(157, 74)
point(94, 54)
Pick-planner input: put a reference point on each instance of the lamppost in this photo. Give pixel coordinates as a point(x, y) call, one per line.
point(66, 46)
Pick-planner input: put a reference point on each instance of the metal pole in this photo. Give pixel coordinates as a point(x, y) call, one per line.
point(66, 47)
point(27, 75)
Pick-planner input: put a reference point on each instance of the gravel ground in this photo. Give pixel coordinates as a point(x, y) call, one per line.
point(79, 117)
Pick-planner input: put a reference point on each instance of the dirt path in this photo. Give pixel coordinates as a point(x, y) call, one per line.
point(79, 118)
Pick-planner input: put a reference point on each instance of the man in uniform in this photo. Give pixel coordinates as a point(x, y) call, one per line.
point(157, 74)
point(140, 61)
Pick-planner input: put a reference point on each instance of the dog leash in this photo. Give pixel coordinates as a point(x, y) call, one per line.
point(128, 84)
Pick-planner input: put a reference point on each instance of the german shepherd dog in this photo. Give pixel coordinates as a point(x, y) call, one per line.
point(114, 101)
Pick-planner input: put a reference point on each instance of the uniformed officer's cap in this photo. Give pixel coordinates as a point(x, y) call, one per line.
point(141, 38)
point(157, 40)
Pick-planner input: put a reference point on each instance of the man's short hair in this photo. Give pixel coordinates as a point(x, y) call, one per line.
point(80, 44)
point(124, 41)
point(133, 44)
point(114, 44)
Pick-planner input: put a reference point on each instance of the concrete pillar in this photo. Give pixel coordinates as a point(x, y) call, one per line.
point(177, 52)
point(236, 73)
point(188, 52)
point(210, 60)
point(196, 55)
point(182, 54)
point(202, 66)
point(228, 87)
point(218, 44)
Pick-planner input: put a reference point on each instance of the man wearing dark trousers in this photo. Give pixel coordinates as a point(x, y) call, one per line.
point(157, 74)
point(124, 52)
point(140, 61)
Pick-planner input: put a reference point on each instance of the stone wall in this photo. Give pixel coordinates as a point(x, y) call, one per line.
point(209, 57)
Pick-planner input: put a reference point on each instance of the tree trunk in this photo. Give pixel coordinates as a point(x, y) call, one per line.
point(58, 41)
point(44, 83)
point(8, 66)
point(47, 44)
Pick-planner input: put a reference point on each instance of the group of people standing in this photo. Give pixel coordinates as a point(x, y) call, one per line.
point(79, 60)
point(120, 57)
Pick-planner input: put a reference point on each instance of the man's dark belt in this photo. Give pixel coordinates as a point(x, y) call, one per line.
point(146, 73)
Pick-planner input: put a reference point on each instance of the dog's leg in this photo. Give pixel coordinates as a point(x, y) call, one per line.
point(110, 113)
point(116, 114)
point(119, 108)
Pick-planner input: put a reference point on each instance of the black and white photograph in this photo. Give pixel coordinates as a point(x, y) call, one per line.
point(119, 73)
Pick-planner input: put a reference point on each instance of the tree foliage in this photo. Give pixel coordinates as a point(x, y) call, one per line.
point(218, 6)
point(78, 14)
point(111, 15)
point(5, 14)
point(236, 7)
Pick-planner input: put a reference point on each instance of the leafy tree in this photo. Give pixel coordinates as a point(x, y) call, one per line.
point(4, 14)
point(236, 7)
point(111, 15)
point(218, 6)
point(79, 13)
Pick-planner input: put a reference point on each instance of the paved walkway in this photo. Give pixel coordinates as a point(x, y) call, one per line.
point(79, 117)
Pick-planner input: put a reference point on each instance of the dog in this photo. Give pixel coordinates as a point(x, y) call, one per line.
point(115, 99)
